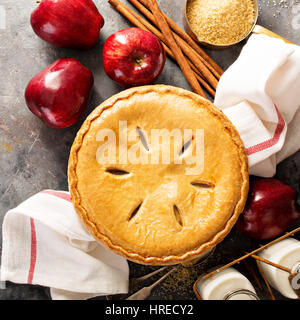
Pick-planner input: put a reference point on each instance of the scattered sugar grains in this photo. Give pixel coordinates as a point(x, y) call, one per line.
point(220, 21)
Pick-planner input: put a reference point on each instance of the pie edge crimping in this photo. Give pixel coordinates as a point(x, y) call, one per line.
point(103, 239)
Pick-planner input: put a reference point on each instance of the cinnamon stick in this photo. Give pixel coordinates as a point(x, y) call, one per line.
point(195, 58)
point(210, 62)
point(157, 33)
point(141, 23)
point(172, 44)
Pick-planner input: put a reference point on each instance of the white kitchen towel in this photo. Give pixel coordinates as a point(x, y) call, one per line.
point(45, 243)
point(260, 94)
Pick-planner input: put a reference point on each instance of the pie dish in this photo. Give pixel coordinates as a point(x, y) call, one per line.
point(158, 213)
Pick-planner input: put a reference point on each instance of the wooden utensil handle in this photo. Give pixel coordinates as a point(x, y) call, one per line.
point(261, 30)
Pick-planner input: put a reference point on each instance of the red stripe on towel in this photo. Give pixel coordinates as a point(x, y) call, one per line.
point(271, 142)
point(58, 194)
point(33, 252)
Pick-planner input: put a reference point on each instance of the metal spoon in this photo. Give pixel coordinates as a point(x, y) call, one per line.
point(134, 281)
point(145, 292)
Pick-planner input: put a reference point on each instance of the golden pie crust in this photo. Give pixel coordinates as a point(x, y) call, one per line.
point(157, 214)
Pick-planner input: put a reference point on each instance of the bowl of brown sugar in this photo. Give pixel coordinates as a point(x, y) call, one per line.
point(220, 23)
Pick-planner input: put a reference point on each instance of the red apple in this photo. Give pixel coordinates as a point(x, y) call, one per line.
point(270, 210)
point(59, 94)
point(67, 23)
point(133, 57)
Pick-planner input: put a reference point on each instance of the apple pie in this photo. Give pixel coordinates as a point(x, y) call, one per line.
point(158, 175)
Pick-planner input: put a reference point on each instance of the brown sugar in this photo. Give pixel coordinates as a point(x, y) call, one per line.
point(220, 22)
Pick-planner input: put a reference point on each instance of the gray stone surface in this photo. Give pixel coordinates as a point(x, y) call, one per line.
point(34, 157)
